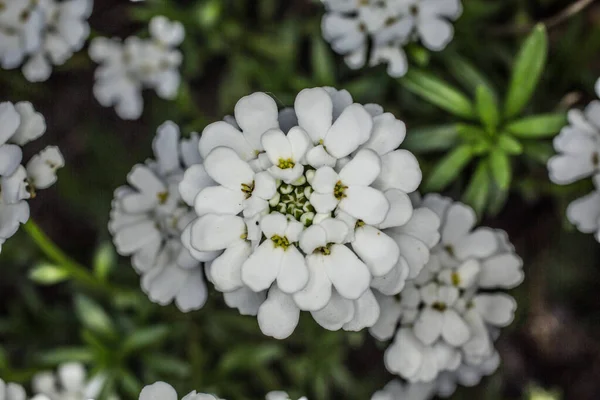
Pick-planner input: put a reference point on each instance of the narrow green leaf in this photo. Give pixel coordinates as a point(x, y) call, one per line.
point(509, 144)
point(48, 274)
point(487, 108)
point(527, 71)
point(130, 384)
point(439, 93)
point(501, 168)
point(477, 193)
point(429, 139)
point(166, 364)
point(105, 260)
point(322, 62)
point(538, 126)
point(145, 337)
point(449, 168)
point(539, 151)
point(66, 354)
point(467, 75)
point(93, 316)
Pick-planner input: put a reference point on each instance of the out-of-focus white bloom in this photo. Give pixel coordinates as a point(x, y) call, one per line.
point(578, 148)
point(164, 391)
point(69, 383)
point(307, 207)
point(466, 374)
point(149, 216)
point(46, 32)
point(396, 390)
point(277, 395)
point(127, 67)
point(448, 312)
point(20, 124)
point(350, 25)
point(12, 391)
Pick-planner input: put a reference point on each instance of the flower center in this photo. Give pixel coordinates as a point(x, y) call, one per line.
point(248, 189)
point(163, 197)
point(293, 200)
point(286, 164)
point(280, 241)
point(455, 277)
point(339, 190)
point(325, 250)
point(439, 306)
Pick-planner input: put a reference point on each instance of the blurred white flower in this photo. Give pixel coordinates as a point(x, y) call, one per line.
point(467, 374)
point(70, 382)
point(11, 391)
point(164, 391)
point(129, 66)
point(282, 194)
point(448, 313)
point(19, 125)
point(578, 148)
point(21, 31)
point(396, 390)
point(149, 216)
point(278, 395)
point(351, 26)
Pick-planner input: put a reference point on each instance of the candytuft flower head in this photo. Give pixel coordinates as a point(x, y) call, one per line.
point(127, 67)
point(578, 147)
point(19, 125)
point(149, 215)
point(450, 311)
point(46, 32)
point(308, 210)
point(349, 26)
point(69, 383)
point(164, 391)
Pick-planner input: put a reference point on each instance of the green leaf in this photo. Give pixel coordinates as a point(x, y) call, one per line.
point(66, 354)
point(449, 168)
point(477, 193)
point(527, 71)
point(487, 108)
point(439, 93)
point(105, 260)
point(501, 168)
point(429, 139)
point(48, 274)
point(538, 126)
point(466, 74)
point(539, 151)
point(509, 144)
point(322, 62)
point(166, 364)
point(145, 337)
point(93, 316)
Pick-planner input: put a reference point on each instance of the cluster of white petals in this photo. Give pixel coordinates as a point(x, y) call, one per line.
point(396, 390)
point(41, 33)
point(148, 216)
point(129, 66)
point(12, 391)
point(307, 209)
point(70, 382)
point(19, 125)
point(450, 314)
point(385, 26)
point(164, 391)
point(578, 148)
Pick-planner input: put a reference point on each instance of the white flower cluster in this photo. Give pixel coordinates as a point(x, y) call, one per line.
point(164, 391)
point(12, 391)
point(19, 125)
point(70, 382)
point(129, 66)
point(43, 32)
point(578, 148)
point(349, 26)
point(308, 207)
point(147, 219)
point(450, 314)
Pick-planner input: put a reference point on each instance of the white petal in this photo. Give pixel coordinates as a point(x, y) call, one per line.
point(401, 209)
point(273, 224)
point(393, 282)
point(194, 180)
point(294, 230)
point(222, 134)
point(166, 147)
point(435, 33)
point(226, 270)
point(317, 292)
point(72, 376)
point(389, 316)
point(169, 33)
point(347, 273)
point(335, 229)
point(318, 157)
point(445, 8)
point(480, 243)
point(10, 120)
point(405, 355)
point(399, 170)
point(584, 213)
point(217, 232)
point(33, 124)
point(377, 250)
point(323, 203)
point(423, 225)
point(300, 143)
point(459, 221)
point(496, 309)
point(186, 240)
point(388, 134)
point(366, 313)
point(145, 180)
point(192, 296)
point(158, 391)
point(245, 300)
point(365, 203)
point(314, 109)
point(362, 170)
point(501, 271)
point(277, 146)
point(226, 168)
point(42, 168)
point(265, 186)
point(566, 169)
point(312, 238)
point(260, 270)
point(279, 315)
point(256, 114)
point(254, 207)
point(349, 131)
point(324, 180)
point(428, 326)
point(10, 158)
point(293, 274)
point(455, 331)
point(335, 314)
point(219, 200)
point(37, 69)
point(134, 237)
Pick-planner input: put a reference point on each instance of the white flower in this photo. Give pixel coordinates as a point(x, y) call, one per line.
point(447, 313)
point(130, 66)
point(164, 391)
point(578, 148)
point(149, 216)
point(396, 390)
point(69, 383)
point(21, 30)
point(468, 375)
point(20, 124)
point(11, 391)
point(278, 395)
point(349, 26)
point(284, 193)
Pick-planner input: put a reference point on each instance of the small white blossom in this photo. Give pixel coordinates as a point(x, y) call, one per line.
point(448, 312)
point(164, 391)
point(12, 391)
point(19, 125)
point(21, 31)
point(70, 382)
point(149, 216)
point(578, 148)
point(396, 390)
point(282, 194)
point(130, 66)
point(278, 395)
point(351, 25)
point(466, 374)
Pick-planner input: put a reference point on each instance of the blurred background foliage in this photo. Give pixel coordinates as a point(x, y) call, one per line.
point(99, 316)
